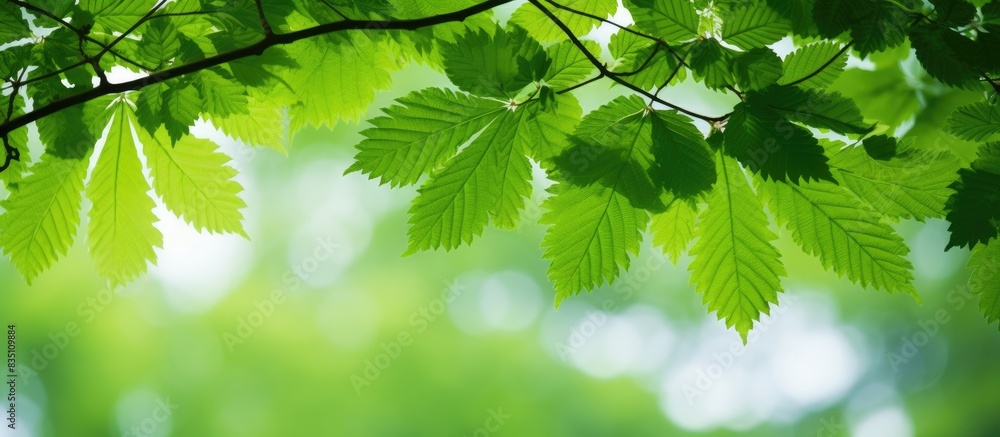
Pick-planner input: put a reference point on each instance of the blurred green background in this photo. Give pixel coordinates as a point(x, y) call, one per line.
point(317, 325)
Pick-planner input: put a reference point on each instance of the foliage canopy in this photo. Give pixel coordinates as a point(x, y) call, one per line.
point(792, 154)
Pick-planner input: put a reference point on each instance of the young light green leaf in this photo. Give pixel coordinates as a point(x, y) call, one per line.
point(494, 65)
point(671, 20)
point(121, 235)
point(263, 125)
point(594, 224)
point(641, 63)
point(221, 94)
point(192, 178)
point(985, 279)
point(736, 268)
point(327, 90)
point(569, 65)
point(489, 177)
point(673, 229)
point(827, 221)
point(808, 65)
point(915, 185)
point(612, 147)
point(40, 219)
point(754, 26)
point(116, 15)
point(420, 133)
point(543, 29)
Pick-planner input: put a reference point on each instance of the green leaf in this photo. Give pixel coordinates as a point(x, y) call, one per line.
point(974, 208)
point(194, 181)
point(756, 69)
point(543, 29)
point(41, 218)
point(799, 13)
point(827, 221)
point(882, 28)
point(976, 122)
point(945, 54)
point(754, 26)
point(595, 226)
point(488, 179)
point(264, 125)
point(632, 53)
point(808, 68)
point(712, 63)
point(834, 17)
point(683, 162)
point(327, 75)
point(174, 105)
point(985, 279)
point(12, 26)
point(673, 229)
point(769, 144)
point(880, 147)
point(116, 15)
point(67, 133)
point(736, 268)
point(612, 147)
point(497, 65)
point(420, 133)
point(569, 65)
point(913, 185)
point(221, 95)
point(670, 20)
point(953, 13)
point(121, 235)
point(550, 124)
point(874, 25)
point(159, 45)
point(823, 110)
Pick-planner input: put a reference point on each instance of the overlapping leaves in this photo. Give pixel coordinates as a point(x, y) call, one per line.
point(635, 166)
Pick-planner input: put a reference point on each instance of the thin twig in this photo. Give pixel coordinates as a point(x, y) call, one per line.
point(255, 49)
point(600, 67)
point(263, 18)
point(581, 84)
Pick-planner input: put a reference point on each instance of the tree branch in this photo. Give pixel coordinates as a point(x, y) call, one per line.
point(604, 70)
point(251, 50)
